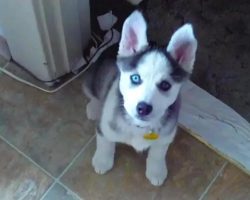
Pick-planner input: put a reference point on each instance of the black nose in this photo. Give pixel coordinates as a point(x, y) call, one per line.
point(144, 109)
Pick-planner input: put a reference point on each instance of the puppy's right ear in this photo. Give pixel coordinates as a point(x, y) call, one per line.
point(134, 36)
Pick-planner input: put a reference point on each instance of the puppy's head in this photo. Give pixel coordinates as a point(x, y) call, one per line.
point(151, 77)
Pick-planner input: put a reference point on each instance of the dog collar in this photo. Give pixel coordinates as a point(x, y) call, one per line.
point(151, 136)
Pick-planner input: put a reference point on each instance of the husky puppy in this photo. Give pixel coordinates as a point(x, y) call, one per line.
point(135, 99)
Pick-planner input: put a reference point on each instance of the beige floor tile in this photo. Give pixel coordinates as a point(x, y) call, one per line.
point(50, 128)
point(59, 193)
point(233, 184)
point(19, 179)
point(191, 168)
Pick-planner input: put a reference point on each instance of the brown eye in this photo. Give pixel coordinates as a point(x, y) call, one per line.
point(164, 86)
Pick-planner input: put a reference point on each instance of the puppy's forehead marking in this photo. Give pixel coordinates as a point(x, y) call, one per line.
point(152, 63)
point(154, 60)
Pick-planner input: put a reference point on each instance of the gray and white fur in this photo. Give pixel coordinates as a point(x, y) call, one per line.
point(139, 93)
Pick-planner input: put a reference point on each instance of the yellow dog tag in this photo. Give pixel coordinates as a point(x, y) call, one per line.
point(151, 136)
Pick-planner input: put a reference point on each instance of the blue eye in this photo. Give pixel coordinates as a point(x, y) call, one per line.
point(135, 79)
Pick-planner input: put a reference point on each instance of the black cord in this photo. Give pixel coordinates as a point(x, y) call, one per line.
point(91, 58)
point(104, 44)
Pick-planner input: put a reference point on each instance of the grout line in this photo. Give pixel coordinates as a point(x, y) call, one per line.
point(34, 163)
point(48, 190)
point(57, 180)
point(6, 65)
point(75, 158)
point(71, 192)
point(213, 181)
point(27, 157)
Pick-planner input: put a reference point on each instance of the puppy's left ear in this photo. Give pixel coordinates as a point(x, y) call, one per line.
point(134, 36)
point(183, 46)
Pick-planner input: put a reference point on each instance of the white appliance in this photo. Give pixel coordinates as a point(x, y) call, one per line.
point(47, 37)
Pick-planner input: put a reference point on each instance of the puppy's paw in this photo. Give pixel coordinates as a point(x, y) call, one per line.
point(102, 164)
point(156, 175)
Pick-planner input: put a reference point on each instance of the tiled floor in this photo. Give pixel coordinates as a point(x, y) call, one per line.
point(19, 177)
point(231, 185)
point(50, 129)
point(191, 167)
point(46, 145)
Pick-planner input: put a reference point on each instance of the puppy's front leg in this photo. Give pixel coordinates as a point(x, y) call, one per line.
point(93, 108)
point(103, 158)
point(156, 169)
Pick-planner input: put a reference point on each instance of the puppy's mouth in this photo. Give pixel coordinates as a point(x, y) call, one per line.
point(138, 120)
point(144, 119)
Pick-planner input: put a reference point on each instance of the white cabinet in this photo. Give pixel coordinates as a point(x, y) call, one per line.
point(47, 37)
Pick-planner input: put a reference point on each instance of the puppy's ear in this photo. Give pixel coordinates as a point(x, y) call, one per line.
point(183, 46)
point(134, 37)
